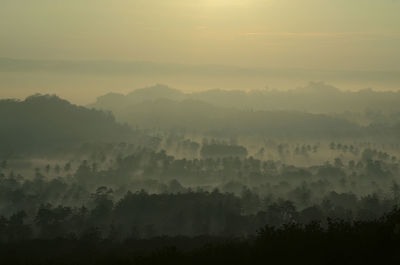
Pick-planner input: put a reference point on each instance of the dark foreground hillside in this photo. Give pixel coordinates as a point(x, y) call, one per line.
point(47, 123)
point(368, 242)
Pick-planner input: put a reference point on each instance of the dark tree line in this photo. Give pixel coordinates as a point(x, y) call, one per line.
point(191, 213)
point(337, 242)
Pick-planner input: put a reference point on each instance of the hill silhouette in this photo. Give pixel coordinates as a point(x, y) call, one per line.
point(214, 112)
point(44, 122)
point(197, 116)
point(317, 110)
point(316, 97)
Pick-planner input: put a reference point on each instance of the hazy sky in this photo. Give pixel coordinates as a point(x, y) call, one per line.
point(321, 34)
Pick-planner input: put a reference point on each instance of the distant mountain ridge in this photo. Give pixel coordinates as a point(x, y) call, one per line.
point(161, 107)
point(114, 101)
point(315, 111)
point(317, 97)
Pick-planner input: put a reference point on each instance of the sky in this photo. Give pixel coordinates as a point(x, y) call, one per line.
point(301, 34)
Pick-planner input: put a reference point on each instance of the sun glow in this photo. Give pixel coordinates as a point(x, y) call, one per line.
point(224, 3)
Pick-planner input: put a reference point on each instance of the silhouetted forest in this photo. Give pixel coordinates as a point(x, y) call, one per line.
point(339, 242)
point(190, 181)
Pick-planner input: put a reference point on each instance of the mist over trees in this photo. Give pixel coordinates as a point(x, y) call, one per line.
point(199, 132)
point(162, 175)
